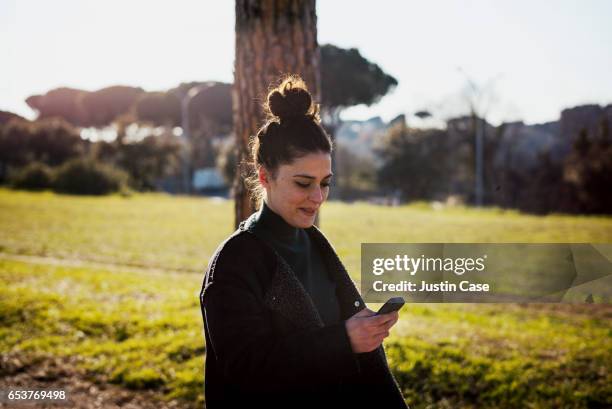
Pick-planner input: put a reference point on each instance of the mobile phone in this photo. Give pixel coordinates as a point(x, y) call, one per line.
point(392, 304)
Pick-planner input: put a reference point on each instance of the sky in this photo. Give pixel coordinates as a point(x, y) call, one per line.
point(531, 59)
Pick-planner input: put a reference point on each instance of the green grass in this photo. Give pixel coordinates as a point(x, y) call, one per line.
point(153, 230)
point(142, 329)
point(180, 233)
point(538, 356)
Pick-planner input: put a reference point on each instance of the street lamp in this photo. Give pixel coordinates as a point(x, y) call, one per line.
point(480, 112)
point(185, 100)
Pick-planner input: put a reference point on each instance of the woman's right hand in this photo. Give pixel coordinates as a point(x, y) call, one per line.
point(366, 330)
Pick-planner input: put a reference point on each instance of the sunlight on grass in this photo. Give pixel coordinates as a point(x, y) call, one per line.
point(181, 233)
point(142, 328)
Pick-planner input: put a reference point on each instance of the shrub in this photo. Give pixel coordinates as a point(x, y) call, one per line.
point(34, 176)
point(51, 141)
point(87, 177)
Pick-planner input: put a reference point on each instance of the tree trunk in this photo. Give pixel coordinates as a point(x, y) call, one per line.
point(273, 37)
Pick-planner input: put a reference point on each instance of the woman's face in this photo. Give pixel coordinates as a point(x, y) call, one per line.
point(299, 188)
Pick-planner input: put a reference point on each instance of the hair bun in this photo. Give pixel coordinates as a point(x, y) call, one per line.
point(290, 100)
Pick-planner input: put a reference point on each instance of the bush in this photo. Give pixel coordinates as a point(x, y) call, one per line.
point(51, 141)
point(87, 177)
point(34, 176)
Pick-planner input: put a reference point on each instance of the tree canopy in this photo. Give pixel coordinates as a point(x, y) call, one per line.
point(6, 116)
point(158, 108)
point(85, 108)
point(348, 79)
point(210, 102)
point(60, 102)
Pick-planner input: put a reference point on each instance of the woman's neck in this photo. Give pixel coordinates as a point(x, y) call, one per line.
point(275, 223)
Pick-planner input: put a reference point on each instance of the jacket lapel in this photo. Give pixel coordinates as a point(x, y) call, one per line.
point(287, 296)
point(349, 299)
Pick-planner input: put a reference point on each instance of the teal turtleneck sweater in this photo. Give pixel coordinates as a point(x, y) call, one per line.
point(294, 246)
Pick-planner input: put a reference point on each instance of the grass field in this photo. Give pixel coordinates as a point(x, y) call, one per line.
point(112, 283)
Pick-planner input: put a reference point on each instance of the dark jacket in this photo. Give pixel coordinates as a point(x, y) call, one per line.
point(266, 343)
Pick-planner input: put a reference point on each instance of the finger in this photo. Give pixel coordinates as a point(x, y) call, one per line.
point(382, 328)
point(381, 320)
point(380, 335)
point(392, 314)
point(375, 342)
point(379, 340)
point(371, 323)
point(389, 326)
point(375, 326)
point(366, 312)
point(392, 318)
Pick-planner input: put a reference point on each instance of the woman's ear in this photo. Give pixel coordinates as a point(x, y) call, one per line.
point(262, 175)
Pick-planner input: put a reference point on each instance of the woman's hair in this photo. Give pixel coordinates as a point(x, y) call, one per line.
point(292, 130)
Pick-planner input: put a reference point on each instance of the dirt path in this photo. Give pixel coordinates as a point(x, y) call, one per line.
point(83, 392)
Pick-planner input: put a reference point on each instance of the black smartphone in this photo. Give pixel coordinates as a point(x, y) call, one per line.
point(392, 304)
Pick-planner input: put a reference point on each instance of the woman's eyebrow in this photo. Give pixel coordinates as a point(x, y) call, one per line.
point(311, 177)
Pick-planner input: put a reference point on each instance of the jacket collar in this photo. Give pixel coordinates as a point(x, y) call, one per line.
point(287, 295)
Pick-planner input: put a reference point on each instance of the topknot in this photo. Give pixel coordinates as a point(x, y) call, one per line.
point(291, 100)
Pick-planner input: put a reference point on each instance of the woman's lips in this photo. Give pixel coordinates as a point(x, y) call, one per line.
point(308, 212)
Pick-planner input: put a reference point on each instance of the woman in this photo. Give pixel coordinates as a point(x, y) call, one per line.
point(284, 323)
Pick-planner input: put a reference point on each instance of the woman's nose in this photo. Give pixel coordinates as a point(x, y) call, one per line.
point(316, 195)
